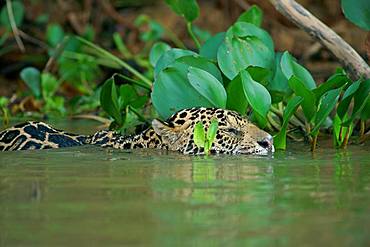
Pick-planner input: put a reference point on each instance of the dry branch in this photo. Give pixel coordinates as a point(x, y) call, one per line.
point(347, 56)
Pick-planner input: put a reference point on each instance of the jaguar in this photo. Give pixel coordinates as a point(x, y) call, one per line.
point(235, 135)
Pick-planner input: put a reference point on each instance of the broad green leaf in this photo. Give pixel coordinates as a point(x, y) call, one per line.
point(360, 100)
point(290, 67)
point(18, 13)
point(49, 85)
point(257, 95)
point(309, 102)
point(199, 135)
point(169, 57)
point(212, 131)
point(188, 9)
point(210, 47)
point(245, 30)
point(236, 99)
point(201, 63)
point(54, 34)
point(208, 86)
point(278, 86)
point(346, 99)
point(253, 15)
point(236, 54)
point(357, 12)
point(327, 104)
point(335, 81)
point(157, 51)
point(280, 138)
point(109, 100)
point(31, 76)
point(172, 91)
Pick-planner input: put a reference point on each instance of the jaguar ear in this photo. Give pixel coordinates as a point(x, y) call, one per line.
point(169, 134)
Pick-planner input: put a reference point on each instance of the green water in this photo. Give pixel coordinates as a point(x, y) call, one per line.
point(95, 197)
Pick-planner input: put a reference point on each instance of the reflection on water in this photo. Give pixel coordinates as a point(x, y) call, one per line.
point(93, 196)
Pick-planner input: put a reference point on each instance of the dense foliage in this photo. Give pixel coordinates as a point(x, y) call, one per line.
point(237, 69)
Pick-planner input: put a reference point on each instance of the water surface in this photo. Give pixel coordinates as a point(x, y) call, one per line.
point(99, 197)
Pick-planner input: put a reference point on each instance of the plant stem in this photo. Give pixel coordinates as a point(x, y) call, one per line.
point(346, 138)
point(189, 25)
point(117, 60)
point(313, 143)
point(362, 129)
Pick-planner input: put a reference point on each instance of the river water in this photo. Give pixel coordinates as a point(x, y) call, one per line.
point(91, 196)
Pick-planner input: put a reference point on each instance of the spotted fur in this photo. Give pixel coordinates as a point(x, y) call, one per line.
point(235, 135)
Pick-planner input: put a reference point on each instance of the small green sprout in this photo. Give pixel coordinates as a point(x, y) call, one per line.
point(201, 139)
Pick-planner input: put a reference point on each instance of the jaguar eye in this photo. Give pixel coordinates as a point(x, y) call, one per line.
point(234, 131)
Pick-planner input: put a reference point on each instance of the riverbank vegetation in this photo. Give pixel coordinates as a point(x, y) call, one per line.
point(238, 68)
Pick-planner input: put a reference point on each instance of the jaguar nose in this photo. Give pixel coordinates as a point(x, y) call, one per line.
point(267, 143)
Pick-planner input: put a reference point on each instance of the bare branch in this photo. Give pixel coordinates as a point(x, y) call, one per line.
point(347, 56)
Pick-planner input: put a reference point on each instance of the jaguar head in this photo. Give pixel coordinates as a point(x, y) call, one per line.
point(235, 134)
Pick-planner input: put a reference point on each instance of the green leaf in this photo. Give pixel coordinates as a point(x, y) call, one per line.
point(199, 135)
point(291, 67)
point(201, 63)
point(346, 99)
point(340, 131)
point(212, 131)
point(357, 12)
point(360, 100)
point(31, 76)
point(280, 138)
point(278, 86)
point(308, 103)
point(210, 47)
point(169, 57)
point(236, 54)
point(188, 9)
point(109, 100)
point(54, 34)
point(49, 85)
point(172, 90)
point(157, 51)
point(257, 95)
point(236, 99)
point(245, 30)
point(208, 86)
point(253, 15)
point(327, 104)
point(335, 81)
point(18, 13)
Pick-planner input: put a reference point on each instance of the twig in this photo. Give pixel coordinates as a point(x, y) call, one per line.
point(33, 40)
point(57, 52)
point(93, 117)
point(346, 55)
point(14, 26)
